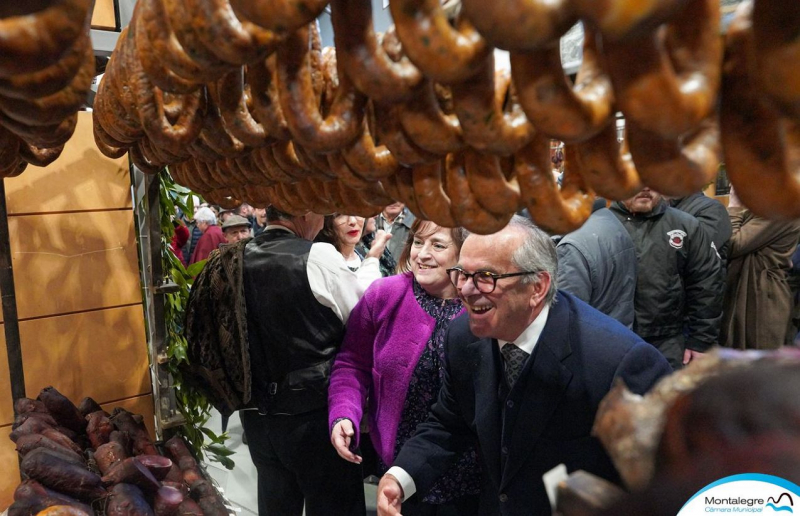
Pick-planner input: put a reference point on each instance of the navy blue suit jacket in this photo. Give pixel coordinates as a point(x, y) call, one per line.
point(545, 420)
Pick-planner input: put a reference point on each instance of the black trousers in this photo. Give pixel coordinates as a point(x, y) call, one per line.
point(296, 463)
point(369, 462)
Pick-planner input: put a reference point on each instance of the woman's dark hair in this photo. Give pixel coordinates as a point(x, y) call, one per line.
point(328, 232)
point(423, 228)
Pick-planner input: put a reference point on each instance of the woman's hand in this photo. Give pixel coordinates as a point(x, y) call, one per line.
point(341, 437)
point(733, 199)
point(379, 244)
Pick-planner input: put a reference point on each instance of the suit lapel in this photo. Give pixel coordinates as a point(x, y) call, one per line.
point(543, 382)
point(487, 407)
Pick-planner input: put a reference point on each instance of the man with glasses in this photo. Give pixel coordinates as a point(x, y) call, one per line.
point(525, 374)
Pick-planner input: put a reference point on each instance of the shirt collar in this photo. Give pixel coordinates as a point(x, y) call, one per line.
point(658, 210)
point(397, 220)
point(530, 336)
point(276, 226)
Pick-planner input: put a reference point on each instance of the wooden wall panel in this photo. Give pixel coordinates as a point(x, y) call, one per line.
point(81, 179)
point(140, 405)
point(102, 354)
point(9, 469)
point(71, 262)
point(103, 16)
point(76, 273)
point(6, 403)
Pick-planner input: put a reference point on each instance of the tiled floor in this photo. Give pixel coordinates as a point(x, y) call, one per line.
point(239, 484)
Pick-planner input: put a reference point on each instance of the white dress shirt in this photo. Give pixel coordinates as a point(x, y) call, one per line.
point(526, 342)
point(530, 336)
point(332, 282)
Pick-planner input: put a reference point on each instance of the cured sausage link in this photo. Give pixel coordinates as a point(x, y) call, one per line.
point(364, 60)
point(341, 126)
point(32, 41)
point(555, 107)
point(478, 103)
point(445, 54)
point(761, 147)
point(281, 16)
point(521, 24)
point(667, 81)
point(607, 165)
point(621, 19)
point(556, 210)
point(776, 28)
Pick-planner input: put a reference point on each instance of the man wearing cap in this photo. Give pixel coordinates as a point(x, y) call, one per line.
point(224, 215)
point(236, 228)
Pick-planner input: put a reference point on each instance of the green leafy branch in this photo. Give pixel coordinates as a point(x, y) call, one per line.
point(191, 403)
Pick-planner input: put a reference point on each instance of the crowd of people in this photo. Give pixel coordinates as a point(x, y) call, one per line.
point(210, 226)
point(687, 274)
point(458, 367)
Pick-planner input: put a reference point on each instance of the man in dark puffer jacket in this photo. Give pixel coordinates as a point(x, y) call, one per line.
point(679, 283)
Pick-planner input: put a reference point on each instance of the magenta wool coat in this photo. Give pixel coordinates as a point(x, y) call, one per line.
point(386, 334)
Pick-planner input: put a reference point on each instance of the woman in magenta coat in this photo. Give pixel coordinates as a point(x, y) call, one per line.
point(393, 356)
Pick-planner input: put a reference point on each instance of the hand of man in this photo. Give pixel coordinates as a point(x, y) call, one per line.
point(379, 244)
point(689, 355)
point(390, 495)
point(341, 437)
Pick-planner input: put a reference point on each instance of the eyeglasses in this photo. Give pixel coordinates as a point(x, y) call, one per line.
point(341, 219)
point(484, 281)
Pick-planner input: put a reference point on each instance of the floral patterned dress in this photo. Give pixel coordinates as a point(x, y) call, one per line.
point(465, 476)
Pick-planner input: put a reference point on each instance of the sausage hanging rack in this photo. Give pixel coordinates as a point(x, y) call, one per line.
point(240, 101)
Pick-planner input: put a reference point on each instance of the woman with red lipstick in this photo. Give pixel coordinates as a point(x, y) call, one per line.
point(393, 356)
point(346, 233)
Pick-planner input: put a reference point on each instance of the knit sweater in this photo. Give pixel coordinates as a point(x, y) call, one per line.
point(386, 334)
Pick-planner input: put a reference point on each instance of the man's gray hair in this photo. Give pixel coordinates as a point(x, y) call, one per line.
point(537, 253)
point(206, 215)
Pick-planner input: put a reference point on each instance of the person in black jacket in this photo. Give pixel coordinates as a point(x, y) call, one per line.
point(714, 219)
point(679, 282)
point(712, 216)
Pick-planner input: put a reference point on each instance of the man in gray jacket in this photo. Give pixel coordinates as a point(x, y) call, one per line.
point(395, 220)
point(597, 264)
